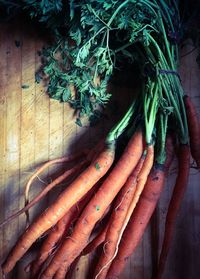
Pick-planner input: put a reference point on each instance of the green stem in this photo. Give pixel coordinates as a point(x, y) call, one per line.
point(161, 136)
point(150, 5)
point(107, 46)
point(116, 12)
point(176, 98)
point(166, 42)
point(123, 47)
point(95, 14)
point(92, 38)
point(119, 128)
point(150, 110)
point(97, 63)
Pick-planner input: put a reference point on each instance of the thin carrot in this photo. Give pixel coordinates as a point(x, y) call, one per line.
point(90, 156)
point(122, 197)
point(98, 240)
point(73, 246)
point(43, 193)
point(52, 240)
point(142, 214)
point(60, 274)
point(45, 166)
point(174, 205)
point(74, 192)
point(60, 231)
point(121, 218)
point(119, 214)
point(194, 129)
point(48, 251)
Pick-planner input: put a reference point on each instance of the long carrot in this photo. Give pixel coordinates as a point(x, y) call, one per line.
point(174, 205)
point(60, 274)
point(43, 193)
point(73, 246)
point(98, 240)
point(194, 129)
point(117, 218)
point(142, 214)
point(120, 220)
point(46, 165)
point(92, 245)
point(60, 231)
point(78, 188)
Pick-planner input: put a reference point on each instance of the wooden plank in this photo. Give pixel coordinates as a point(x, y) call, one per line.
point(69, 129)
point(55, 129)
point(3, 100)
point(12, 159)
point(41, 128)
point(27, 132)
point(27, 125)
point(55, 143)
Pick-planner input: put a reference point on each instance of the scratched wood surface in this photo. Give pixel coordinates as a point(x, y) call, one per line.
point(34, 129)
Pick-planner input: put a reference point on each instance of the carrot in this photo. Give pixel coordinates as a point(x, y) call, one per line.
point(194, 129)
point(48, 164)
point(121, 218)
point(98, 240)
point(99, 237)
point(92, 245)
point(66, 174)
point(74, 192)
point(125, 191)
point(142, 214)
point(174, 205)
point(73, 246)
point(68, 158)
point(52, 240)
point(117, 218)
point(43, 193)
point(60, 231)
point(60, 274)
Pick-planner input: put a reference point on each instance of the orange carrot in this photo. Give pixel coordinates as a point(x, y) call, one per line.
point(48, 164)
point(60, 274)
point(71, 195)
point(43, 193)
point(73, 246)
point(98, 240)
point(60, 231)
point(118, 208)
point(194, 129)
point(174, 205)
point(122, 217)
point(142, 214)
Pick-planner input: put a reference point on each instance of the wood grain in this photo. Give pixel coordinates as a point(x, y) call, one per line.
point(34, 129)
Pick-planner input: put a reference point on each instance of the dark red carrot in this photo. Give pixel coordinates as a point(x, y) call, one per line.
point(194, 129)
point(73, 246)
point(70, 196)
point(174, 205)
point(142, 214)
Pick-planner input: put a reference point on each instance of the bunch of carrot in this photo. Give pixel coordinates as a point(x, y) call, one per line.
point(110, 199)
point(124, 193)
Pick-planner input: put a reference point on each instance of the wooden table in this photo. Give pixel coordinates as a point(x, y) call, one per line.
point(34, 129)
